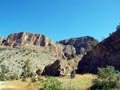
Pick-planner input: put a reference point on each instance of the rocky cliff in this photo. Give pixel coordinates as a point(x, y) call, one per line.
point(105, 53)
point(81, 44)
point(26, 39)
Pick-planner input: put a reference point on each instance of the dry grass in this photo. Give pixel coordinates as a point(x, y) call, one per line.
point(81, 81)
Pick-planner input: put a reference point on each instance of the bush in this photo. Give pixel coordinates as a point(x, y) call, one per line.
point(2, 77)
point(52, 84)
point(108, 79)
point(6, 74)
point(11, 77)
point(105, 85)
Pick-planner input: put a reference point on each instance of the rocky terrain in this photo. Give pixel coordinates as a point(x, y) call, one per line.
point(42, 52)
point(62, 67)
point(26, 39)
point(81, 44)
point(105, 53)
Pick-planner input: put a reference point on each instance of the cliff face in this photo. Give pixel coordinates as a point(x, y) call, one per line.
point(25, 39)
point(105, 53)
point(81, 44)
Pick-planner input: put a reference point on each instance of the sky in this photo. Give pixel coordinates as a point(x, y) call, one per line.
point(60, 19)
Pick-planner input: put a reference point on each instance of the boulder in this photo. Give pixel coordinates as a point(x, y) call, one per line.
point(60, 68)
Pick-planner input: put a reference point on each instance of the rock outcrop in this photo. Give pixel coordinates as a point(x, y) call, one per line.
point(105, 53)
point(69, 51)
point(81, 44)
point(25, 39)
point(60, 68)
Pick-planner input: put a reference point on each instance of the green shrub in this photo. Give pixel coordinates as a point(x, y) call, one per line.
point(52, 84)
point(12, 77)
point(6, 74)
point(2, 77)
point(108, 79)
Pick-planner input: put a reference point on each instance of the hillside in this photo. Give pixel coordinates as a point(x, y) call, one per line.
point(105, 53)
point(40, 51)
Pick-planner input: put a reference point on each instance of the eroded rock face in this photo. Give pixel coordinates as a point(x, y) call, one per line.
point(23, 38)
point(105, 53)
point(81, 44)
point(26, 39)
point(60, 68)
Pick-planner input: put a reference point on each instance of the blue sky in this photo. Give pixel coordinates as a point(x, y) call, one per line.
point(60, 19)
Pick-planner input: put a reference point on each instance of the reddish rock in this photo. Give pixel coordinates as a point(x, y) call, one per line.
point(26, 39)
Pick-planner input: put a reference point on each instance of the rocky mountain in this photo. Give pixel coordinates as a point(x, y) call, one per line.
point(42, 52)
point(26, 39)
point(105, 53)
point(81, 44)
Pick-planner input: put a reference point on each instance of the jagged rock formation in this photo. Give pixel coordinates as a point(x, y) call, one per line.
point(105, 53)
point(67, 50)
point(60, 68)
point(26, 39)
point(81, 44)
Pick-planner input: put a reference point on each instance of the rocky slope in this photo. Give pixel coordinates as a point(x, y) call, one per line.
point(14, 58)
point(105, 53)
point(81, 44)
point(41, 52)
point(62, 67)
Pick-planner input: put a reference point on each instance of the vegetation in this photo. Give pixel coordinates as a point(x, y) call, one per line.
point(6, 74)
point(108, 79)
point(33, 79)
point(26, 70)
point(80, 82)
point(52, 84)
